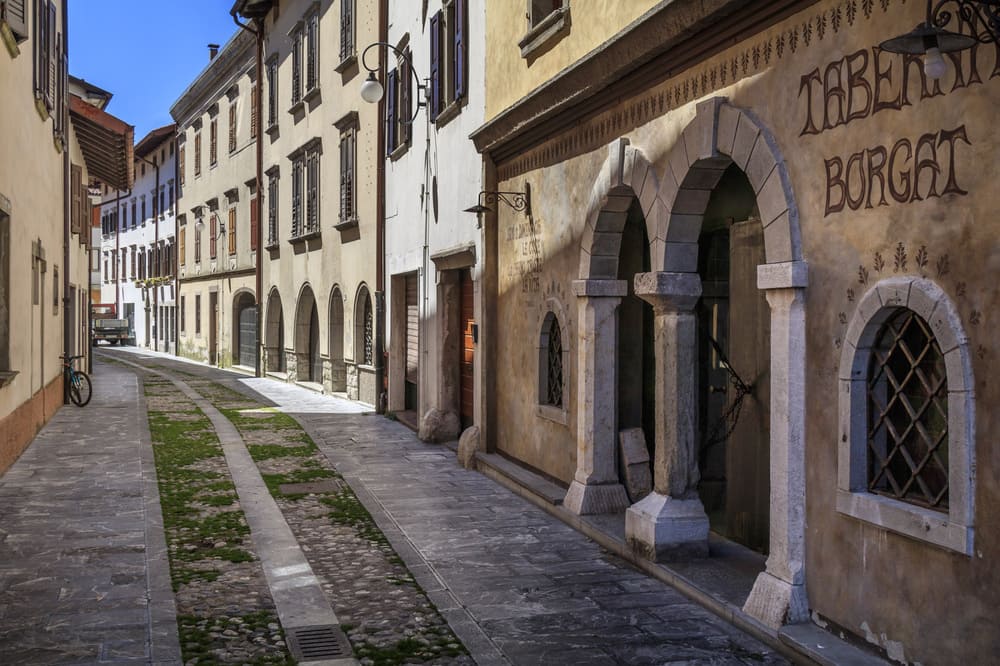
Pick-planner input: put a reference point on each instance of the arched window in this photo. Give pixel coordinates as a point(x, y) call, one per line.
point(550, 363)
point(364, 328)
point(907, 411)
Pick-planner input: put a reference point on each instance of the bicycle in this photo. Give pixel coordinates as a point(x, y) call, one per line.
point(77, 382)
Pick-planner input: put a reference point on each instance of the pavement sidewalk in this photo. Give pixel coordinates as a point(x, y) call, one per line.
point(84, 575)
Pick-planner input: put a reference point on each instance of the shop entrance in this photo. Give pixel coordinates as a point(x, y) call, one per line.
point(734, 363)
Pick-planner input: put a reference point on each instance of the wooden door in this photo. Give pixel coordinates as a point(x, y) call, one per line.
point(466, 374)
point(315, 359)
point(213, 327)
point(748, 448)
point(248, 336)
point(412, 374)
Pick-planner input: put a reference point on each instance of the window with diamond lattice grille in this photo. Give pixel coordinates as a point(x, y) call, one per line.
point(369, 332)
point(908, 413)
point(555, 383)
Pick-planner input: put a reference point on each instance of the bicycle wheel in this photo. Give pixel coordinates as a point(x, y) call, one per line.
point(74, 394)
point(81, 386)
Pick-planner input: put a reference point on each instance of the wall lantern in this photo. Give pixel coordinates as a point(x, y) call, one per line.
point(200, 226)
point(930, 39)
point(372, 90)
point(519, 201)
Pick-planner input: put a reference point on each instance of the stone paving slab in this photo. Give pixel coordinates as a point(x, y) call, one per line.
point(83, 571)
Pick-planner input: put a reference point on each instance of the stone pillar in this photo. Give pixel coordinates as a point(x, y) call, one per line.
point(671, 522)
point(779, 594)
point(596, 487)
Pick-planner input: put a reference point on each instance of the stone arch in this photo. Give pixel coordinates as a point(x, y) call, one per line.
point(338, 372)
point(308, 363)
point(274, 334)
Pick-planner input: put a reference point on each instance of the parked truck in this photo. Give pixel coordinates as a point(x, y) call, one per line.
point(106, 326)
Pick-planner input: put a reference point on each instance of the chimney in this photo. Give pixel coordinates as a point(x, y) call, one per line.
point(213, 50)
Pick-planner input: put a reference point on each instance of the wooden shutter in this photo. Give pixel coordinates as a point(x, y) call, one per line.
point(405, 95)
point(213, 146)
point(15, 13)
point(50, 56)
point(460, 10)
point(232, 231)
point(254, 223)
point(180, 164)
point(232, 126)
point(390, 112)
point(181, 238)
point(435, 66)
point(253, 116)
point(213, 237)
point(76, 175)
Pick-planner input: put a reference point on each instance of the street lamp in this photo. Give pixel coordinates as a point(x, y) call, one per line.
point(372, 90)
point(519, 201)
point(200, 226)
point(930, 39)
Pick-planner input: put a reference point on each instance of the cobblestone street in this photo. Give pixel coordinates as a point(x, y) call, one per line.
point(458, 569)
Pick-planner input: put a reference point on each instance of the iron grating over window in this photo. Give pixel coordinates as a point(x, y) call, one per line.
point(555, 365)
point(369, 331)
point(908, 414)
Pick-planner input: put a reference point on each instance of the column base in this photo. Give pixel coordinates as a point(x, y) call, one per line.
point(662, 528)
point(591, 499)
point(776, 602)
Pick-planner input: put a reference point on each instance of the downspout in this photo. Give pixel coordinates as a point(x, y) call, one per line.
point(118, 250)
point(258, 110)
point(156, 252)
point(380, 390)
point(67, 199)
point(177, 250)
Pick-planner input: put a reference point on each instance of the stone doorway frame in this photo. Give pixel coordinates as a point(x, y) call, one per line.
point(673, 204)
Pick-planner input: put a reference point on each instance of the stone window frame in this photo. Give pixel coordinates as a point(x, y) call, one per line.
point(955, 529)
point(543, 31)
point(558, 414)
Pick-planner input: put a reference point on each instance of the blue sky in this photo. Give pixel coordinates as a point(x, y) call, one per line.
point(144, 52)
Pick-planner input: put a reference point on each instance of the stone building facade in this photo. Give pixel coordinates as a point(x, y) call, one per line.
point(54, 143)
point(320, 162)
point(761, 245)
point(217, 132)
point(433, 246)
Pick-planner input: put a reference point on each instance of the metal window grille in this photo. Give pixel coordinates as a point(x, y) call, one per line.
point(272, 211)
point(346, 29)
point(347, 212)
point(312, 192)
point(908, 414)
point(272, 93)
point(312, 52)
point(297, 68)
point(369, 331)
point(555, 365)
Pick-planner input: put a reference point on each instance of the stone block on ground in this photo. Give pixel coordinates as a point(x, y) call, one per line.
point(439, 426)
point(468, 444)
point(635, 463)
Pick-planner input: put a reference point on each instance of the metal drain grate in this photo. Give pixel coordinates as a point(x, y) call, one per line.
point(322, 642)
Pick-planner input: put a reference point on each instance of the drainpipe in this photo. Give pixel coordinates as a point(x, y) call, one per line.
point(67, 199)
point(380, 390)
point(177, 249)
point(258, 32)
point(118, 266)
point(156, 253)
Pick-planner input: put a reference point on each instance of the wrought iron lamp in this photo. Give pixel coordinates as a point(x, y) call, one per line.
point(519, 201)
point(372, 90)
point(932, 38)
point(200, 226)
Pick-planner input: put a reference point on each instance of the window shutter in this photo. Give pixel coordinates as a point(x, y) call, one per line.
point(405, 94)
point(435, 66)
point(181, 238)
point(390, 112)
point(232, 231)
point(15, 13)
point(254, 222)
point(460, 9)
point(39, 48)
point(253, 116)
point(76, 175)
point(50, 56)
point(213, 249)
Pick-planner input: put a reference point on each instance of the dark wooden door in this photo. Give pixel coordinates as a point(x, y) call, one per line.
point(248, 336)
point(412, 344)
point(466, 373)
point(315, 359)
point(748, 448)
point(213, 327)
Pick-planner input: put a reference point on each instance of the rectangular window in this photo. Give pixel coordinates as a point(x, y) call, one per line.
point(181, 238)
point(398, 109)
point(197, 314)
point(253, 115)
point(272, 208)
point(144, 209)
point(134, 211)
point(213, 144)
point(197, 242)
point(133, 262)
point(5, 294)
point(448, 55)
point(55, 290)
point(231, 230)
point(348, 144)
point(346, 29)
point(180, 164)
point(296, 66)
point(197, 154)
point(142, 266)
point(183, 313)
point(170, 199)
point(213, 237)
point(312, 191)
point(163, 194)
point(232, 127)
point(312, 52)
point(272, 92)
point(254, 223)
point(15, 14)
point(297, 197)
point(76, 175)
point(538, 10)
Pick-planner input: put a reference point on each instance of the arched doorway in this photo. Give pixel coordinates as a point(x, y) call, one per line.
point(274, 339)
point(338, 372)
point(733, 366)
point(308, 362)
point(245, 329)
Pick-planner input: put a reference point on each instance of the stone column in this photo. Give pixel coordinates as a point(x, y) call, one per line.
point(596, 487)
point(670, 522)
point(779, 594)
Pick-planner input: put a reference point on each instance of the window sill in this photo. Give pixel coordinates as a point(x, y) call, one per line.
point(311, 94)
point(272, 246)
point(301, 238)
point(7, 376)
point(10, 41)
point(297, 106)
point(554, 414)
point(346, 224)
point(449, 112)
point(538, 36)
point(399, 151)
point(272, 129)
point(913, 521)
point(346, 63)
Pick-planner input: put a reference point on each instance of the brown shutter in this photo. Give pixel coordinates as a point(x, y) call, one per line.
point(253, 116)
point(15, 13)
point(50, 56)
point(232, 231)
point(254, 222)
point(181, 238)
point(232, 127)
point(181, 164)
point(76, 175)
